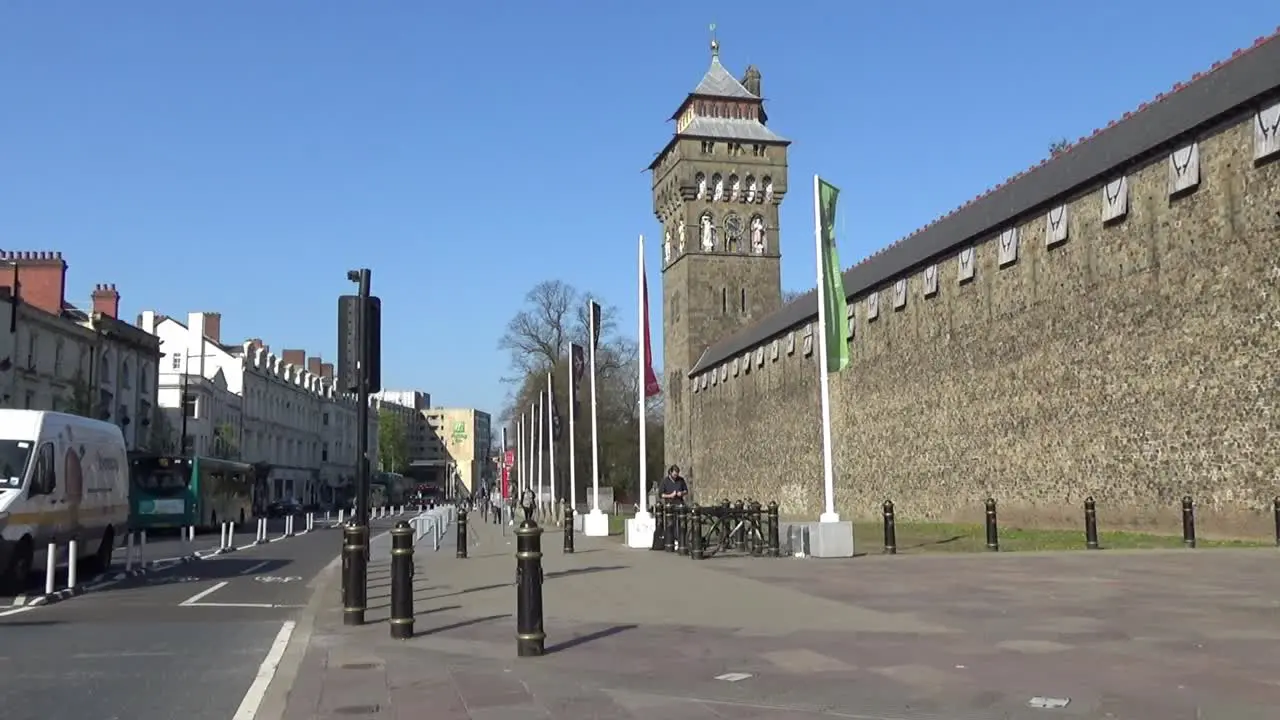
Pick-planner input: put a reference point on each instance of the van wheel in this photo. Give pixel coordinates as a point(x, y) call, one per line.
point(18, 573)
point(102, 558)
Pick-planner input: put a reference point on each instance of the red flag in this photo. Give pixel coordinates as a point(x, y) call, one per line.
point(651, 385)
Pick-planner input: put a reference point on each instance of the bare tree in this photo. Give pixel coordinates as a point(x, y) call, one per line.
point(789, 296)
point(1058, 146)
point(538, 336)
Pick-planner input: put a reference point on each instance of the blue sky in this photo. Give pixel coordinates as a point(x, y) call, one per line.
point(240, 156)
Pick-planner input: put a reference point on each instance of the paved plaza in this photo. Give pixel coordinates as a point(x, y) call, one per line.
point(1159, 635)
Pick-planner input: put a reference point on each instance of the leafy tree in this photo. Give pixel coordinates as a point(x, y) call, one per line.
point(393, 442)
point(226, 441)
point(1058, 146)
point(81, 398)
point(162, 437)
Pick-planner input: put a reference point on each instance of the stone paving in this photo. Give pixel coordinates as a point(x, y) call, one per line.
point(634, 635)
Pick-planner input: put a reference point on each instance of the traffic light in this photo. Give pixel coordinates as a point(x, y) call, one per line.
point(349, 353)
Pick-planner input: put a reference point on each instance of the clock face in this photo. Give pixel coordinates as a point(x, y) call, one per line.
point(733, 226)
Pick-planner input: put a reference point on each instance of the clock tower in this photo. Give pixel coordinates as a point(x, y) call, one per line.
point(717, 187)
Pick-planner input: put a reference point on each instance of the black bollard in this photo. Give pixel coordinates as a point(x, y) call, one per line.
point(530, 637)
point(775, 546)
point(993, 532)
point(402, 581)
point(1090, 524)
point(1275, 508)
point(756, 536)
point(695, 533)
point(659, 524)
point(355, 591)
point(668, 534)
point(462, 532)
point(1188, 522)
point(739, 530)
point(890, 529)
point(682, 530)
point(568, 528)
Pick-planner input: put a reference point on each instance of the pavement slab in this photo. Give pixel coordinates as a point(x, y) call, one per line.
point(637, 634)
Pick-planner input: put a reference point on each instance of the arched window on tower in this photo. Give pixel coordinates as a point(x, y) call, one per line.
point(701, 181)
point(768, 189)
point(735, 188)
point(717, 187)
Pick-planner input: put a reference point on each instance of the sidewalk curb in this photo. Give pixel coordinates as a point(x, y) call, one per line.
point(276, 699)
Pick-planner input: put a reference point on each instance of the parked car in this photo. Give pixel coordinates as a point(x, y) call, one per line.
point(283, 508)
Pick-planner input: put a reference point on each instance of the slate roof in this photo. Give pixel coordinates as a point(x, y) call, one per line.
point(730, 129)
point(718, 82)
point(1249, 74)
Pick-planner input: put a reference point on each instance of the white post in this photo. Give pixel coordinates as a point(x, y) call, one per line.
point(231, 536)
point(142, 548)
point(342, 516)
point(824, 383)
point(515, 491)
point(222, 536)
point(595, 430)
point(551, 443)
point(50, 567)
point(128, 551)
point(539, 413)
point(72, 551)
point(643, 509)
point(573, 450)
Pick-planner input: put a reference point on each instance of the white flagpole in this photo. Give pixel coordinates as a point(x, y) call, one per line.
point(540, 440)
point(573, 455)
point(824, 384)
point(529, 445)
point(643, 505)
point(595, 430)
point(551, 443)
point(515, 492)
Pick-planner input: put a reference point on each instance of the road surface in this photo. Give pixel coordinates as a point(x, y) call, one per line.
point(186, 642)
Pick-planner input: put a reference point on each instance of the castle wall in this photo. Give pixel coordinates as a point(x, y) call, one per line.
point(1134, 360)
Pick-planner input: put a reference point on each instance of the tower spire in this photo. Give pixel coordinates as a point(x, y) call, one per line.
point(715, 44)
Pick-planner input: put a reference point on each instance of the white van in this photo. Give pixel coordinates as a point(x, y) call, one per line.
point(61, 476)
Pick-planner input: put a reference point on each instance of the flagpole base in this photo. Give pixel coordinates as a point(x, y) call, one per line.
point(595, 524)
point(640, 531)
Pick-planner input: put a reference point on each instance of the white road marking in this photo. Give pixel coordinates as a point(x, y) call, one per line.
point(113, 655)
point(19, 600)
point(252, 568)
point(266, 671)
point(243, 605)
point(733, 677)
point(15, 611)
point(204, 594)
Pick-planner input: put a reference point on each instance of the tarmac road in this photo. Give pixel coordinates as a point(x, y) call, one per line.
point(186, 642)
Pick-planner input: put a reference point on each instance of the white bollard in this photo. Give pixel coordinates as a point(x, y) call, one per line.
point(342, 516)
point(50, 567)
point(142, 548)
point(262, 530)
point(311, 519)
point(128, 551)
point(222, 537)
point(73, 551)
point(288, 526)
point(326, 517)
point(231, 536)
point(191, 533)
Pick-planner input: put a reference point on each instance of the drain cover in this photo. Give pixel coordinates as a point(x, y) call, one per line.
point(357, 710)
point(359, 666)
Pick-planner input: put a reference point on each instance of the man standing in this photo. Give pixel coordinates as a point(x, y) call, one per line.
point(673, 488)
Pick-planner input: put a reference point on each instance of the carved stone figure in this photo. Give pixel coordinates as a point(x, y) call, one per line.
point(735, 188)
point(718, 193)
point(757, 235)
point(752, 190)
point(666, 248)
point(708, 234)
point(680, 237)
point(768, 190)
point(702, 186)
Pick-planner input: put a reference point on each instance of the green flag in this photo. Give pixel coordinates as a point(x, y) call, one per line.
point(835, 309)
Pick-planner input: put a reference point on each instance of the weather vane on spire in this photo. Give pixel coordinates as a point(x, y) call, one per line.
point(715, 45)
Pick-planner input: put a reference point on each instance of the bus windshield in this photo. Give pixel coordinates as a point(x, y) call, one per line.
point(14, 455)
point(162, 482)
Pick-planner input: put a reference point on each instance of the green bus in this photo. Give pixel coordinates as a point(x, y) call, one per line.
point(167, 491)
